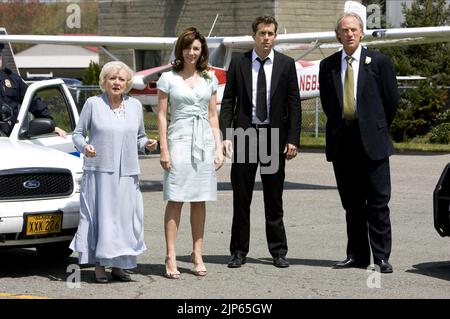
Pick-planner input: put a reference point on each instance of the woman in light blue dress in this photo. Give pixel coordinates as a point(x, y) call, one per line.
point(111, 228)
point(191, 147)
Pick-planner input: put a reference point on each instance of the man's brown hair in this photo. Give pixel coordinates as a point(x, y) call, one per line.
point(264, 20)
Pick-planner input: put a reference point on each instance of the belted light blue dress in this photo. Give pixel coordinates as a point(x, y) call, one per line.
point(192, 176)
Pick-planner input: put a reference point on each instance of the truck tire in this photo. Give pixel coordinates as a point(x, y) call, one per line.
point(441, 203)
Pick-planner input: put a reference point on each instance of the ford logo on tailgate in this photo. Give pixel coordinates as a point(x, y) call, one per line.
point(31, 184)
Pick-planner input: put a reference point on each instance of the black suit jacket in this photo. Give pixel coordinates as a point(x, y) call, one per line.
point(377, 101)
point(285, 108)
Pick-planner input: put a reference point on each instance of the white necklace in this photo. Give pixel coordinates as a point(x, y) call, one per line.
point(118, 109)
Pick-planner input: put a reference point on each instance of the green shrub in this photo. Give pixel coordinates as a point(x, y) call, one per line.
point(443, 117)
point(419, 111)
point(440, 134)
point(91, 74)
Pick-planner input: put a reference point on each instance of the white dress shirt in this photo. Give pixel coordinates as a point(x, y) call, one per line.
point(268, 66)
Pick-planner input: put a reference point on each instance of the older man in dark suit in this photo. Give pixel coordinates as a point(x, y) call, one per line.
point(261, 102)
point(359, 96)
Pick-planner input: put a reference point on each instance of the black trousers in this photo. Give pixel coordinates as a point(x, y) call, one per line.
point(243, 173)
point(364, 186)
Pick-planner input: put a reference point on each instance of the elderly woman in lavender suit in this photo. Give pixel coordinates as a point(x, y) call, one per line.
point(110, 231)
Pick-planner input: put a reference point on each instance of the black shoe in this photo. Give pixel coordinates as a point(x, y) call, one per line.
point(123, 276)
point(349, 262)
point(280, 262)
point(385, 266)
point(237, 260)
point(101, 280)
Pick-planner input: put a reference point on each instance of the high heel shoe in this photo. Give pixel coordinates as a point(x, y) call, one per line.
point(170, 275)
point(199, 273)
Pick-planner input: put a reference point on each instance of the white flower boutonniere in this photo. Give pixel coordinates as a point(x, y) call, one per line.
point(368, 59)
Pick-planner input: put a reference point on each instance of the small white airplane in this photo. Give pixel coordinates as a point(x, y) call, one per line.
point(223, 48)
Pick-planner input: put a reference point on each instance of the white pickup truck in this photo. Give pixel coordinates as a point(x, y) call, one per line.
point(40, 174)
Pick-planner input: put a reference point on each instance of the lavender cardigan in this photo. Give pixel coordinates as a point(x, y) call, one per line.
point(96, 122)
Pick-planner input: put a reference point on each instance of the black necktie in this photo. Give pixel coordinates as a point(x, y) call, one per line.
point(261, 92)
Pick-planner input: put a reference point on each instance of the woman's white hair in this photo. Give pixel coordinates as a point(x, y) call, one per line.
point(112, 67)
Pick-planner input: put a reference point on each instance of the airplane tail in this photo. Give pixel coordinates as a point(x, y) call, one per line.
point(8, 55)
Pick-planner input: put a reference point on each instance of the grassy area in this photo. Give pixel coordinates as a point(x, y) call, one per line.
point(421, 147)
point(151, 124)
point(309, 141)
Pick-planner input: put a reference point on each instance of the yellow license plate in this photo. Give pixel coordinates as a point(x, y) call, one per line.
point(42, 224)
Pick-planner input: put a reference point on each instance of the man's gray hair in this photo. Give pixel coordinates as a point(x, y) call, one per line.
point(348, 14)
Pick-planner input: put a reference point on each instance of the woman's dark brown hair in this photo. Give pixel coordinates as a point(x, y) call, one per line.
point(184, 41)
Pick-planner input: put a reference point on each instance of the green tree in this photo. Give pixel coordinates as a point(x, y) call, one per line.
point(91, 74)
point(419, 111)
point(90, 77)
point(429, 60)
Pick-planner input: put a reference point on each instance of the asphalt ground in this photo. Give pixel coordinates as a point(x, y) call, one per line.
point(315, 225)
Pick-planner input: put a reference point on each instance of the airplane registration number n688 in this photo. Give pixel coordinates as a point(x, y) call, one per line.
point(309, 82)
point(42, 224)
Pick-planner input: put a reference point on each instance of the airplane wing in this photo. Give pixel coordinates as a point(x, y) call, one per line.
point(379, 37)
point(399, 36)
point(407, 36)
point(155, 43)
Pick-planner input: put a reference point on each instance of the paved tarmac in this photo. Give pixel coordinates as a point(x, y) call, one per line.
point(315, 226)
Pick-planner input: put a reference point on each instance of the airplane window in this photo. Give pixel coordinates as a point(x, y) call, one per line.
point(217, 56)
point(146, 59)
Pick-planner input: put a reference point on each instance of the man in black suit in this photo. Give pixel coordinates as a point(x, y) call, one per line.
point(359, 95)
point(261, 102)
